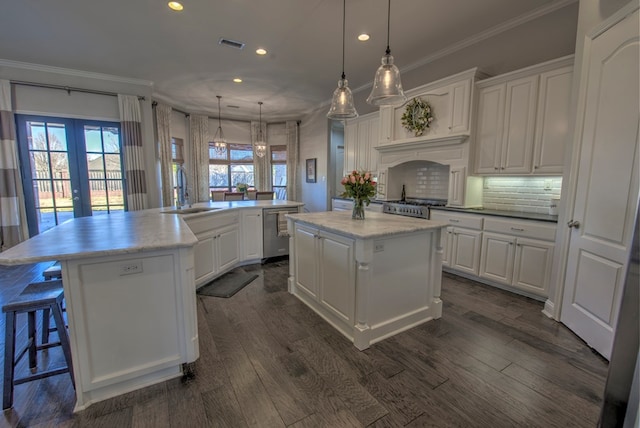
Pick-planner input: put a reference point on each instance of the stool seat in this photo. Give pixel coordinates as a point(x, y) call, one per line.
point(47, 297)
point(53, 272)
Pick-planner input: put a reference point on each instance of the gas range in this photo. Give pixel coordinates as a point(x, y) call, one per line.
point(412, 207)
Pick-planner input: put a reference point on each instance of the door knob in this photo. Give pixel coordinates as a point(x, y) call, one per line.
point(574, 224)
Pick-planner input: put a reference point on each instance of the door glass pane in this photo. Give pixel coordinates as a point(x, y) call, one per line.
point(50, 179)
point(104, 168)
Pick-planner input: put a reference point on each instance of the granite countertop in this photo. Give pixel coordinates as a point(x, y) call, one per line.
point(501, 213)
point(120, 233)
point(375, 225)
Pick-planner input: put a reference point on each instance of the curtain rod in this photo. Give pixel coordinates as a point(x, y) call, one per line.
point(155, 103)
point(69, 89)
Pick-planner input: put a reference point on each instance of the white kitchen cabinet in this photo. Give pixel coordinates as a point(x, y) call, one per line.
point(325, 270)
point(360, 139)
point(218, 247)
point(498, 253)
point(532, 266)
point(505, 129)
point(552, 121)
point(462, 242)
point(251, 227)
point(523, 120)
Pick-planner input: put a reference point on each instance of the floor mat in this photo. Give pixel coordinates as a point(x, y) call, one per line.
point(228, 284)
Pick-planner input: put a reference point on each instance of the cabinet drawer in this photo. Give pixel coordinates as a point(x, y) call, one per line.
point(529, 229)
point(341, 205)
point(469, 221)
point(209, 222)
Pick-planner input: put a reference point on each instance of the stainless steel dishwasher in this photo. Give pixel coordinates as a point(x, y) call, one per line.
point(274, 244)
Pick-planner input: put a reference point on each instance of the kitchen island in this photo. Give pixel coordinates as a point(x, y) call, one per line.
point(370, 279)
point(129, 286)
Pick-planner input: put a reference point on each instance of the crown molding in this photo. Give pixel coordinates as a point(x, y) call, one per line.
point(74, 73)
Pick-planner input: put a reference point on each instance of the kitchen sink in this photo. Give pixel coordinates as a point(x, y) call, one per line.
point(189, 210)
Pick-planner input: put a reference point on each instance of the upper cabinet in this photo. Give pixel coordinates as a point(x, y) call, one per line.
point(361, 136)
point(522, 120)
point(450, 101)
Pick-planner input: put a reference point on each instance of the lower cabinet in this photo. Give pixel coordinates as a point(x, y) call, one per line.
point(218, 247)
point(325, 270)
point(251, 226)
point(499, 251)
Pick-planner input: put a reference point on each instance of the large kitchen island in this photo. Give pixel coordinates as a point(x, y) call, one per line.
point(370, 279)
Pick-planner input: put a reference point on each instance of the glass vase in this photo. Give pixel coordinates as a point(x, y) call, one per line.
point(358, 209)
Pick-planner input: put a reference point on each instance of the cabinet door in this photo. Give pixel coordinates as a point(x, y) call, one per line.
point(386, 124)
point(350, 146)
point(337, 276)
point(372, 153)
point(204, 258)
point(306, 260)
point(251, 234)
point(459, 111)
point(533, 265)
point(552, 121)
point(519, 121)
point(489, 129)
point(465, 251)
point(362, 146)
point(497, 257)
point(457, 182)
point(227, 246)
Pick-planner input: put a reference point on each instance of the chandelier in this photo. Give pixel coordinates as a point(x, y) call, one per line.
point(260, 146)
point(219, 142)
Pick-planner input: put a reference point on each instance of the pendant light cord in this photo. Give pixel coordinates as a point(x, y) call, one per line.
point(344, 12)
point(388, 26)
point(260, 137)
point(219, 123)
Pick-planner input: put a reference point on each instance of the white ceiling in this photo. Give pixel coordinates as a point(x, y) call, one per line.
point(180, 54)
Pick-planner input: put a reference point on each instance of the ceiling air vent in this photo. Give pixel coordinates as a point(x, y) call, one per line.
point(231, 43)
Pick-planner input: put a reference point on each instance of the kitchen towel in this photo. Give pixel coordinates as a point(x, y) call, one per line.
point(282, 223)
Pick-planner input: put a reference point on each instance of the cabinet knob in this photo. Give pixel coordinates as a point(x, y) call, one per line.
point(536, 167)
point(496, 168)
point(501, 167)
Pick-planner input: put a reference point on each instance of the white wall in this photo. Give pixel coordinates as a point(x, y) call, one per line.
point(314, 143)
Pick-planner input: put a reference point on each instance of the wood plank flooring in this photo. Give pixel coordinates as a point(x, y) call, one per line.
point(266, 360)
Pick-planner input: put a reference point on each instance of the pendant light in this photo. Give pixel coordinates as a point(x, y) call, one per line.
point(387, 87)
point(260, 146)
point(219, 142)
point(342, 101)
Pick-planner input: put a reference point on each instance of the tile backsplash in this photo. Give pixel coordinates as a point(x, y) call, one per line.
point(524, 194)
point(432, 181)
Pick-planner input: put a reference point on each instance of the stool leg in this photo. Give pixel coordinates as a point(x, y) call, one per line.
point(64, 338)
point(31, 329)
point(9, 354)
point(46, 313)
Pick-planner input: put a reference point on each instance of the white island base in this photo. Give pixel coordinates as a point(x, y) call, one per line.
point(369, 279)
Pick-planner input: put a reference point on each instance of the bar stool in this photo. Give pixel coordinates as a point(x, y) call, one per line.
point(37, 296)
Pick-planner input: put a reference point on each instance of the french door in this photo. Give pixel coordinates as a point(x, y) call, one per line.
point(70, 168)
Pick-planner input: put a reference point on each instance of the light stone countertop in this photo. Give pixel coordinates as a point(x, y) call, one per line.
point(119, 233)
point(375, 225)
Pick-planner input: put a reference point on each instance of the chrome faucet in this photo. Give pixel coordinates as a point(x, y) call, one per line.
point(182, 186)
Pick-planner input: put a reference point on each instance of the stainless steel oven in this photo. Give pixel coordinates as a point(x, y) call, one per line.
point(275, 241)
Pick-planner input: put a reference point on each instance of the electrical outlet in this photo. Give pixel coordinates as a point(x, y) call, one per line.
point(378, 247)
point(131, 268)
point(547, 184)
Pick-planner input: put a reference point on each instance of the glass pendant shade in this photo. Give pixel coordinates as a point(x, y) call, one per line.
point(260, 146)
point(342, 106)
point(387, 86)
point(219, 142)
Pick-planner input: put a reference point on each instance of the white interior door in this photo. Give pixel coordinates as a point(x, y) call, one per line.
point(607, 186)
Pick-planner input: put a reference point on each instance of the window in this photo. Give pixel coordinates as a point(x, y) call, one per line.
point(177, 159)
point(279, 171)
point(232, 166)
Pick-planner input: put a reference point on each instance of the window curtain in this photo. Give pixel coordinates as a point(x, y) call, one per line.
point(293, 142)
point(135, 174)
point(261, 166)
point(163, 129)
point(13, 218)
point(199, 178)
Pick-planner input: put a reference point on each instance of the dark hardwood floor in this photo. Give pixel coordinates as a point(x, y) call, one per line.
point(266, 360)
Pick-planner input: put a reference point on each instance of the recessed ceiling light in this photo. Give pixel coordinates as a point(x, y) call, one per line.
point(237, 80)
point(363, 37)
point(261, 51)
point(175, 5)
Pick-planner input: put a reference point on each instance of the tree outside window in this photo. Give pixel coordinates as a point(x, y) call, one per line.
point(279, 171)
point(231, 166)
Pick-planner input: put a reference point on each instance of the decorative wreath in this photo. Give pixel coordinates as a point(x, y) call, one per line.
point(417, 116)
